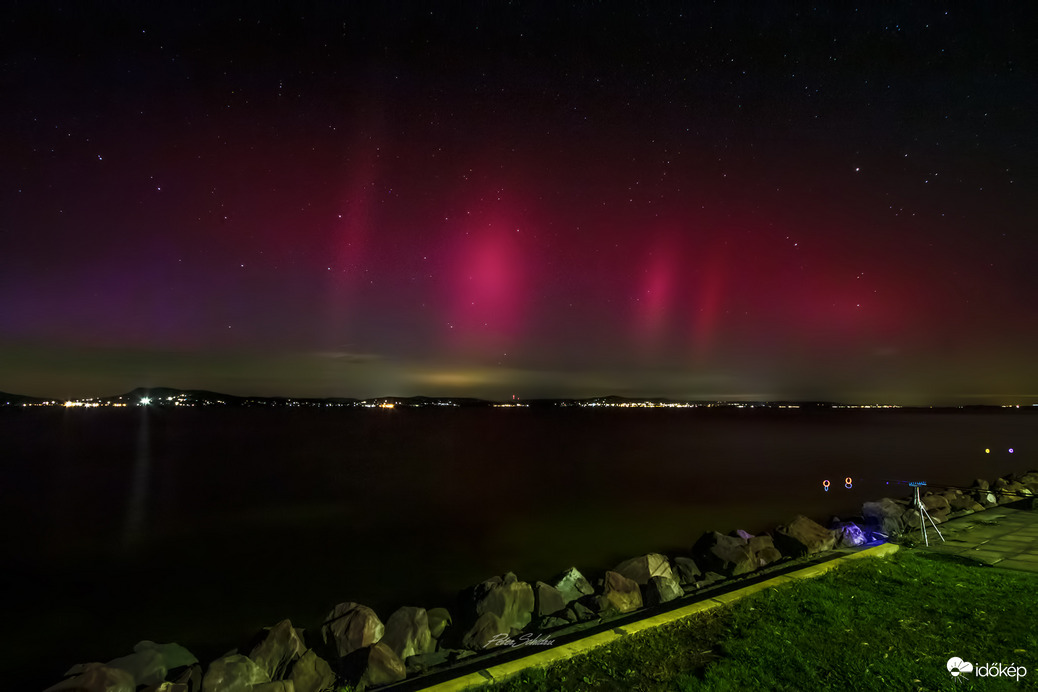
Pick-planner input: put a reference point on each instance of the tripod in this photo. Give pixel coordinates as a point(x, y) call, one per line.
point(923, 514)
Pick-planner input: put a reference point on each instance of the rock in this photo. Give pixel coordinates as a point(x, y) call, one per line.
point(709, 578)
point(803, 536)
point(508, 598)
point(913, 520)
point(147, 667)
point(644, 567)
point(487, 627)
point(729, 555)
point(957, 500)
point(662, 589)
point(279, 649)
point(422, 662)
point(352, 626)
point(233, 673)
point(551, 622)
point(687, 570)
point(407, 632)
point(150, 663)
point(182, 679)
point(884, 515)
point(548, 599)
point(980, 484)
point(583, 612)
point(383, 666)
point(96, 677)
point(936, 504)
point(849, 535)
point(168, 687)
point(1017, 491)
point(439, 620)
point(763, 550)
point(985, 498)
point(572, 585)
point(568, 615)
point(275, 686)
point(619, 594)
point(311, 673)
point(977, 507)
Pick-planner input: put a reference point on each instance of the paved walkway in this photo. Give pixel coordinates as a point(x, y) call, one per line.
point(1000, 536)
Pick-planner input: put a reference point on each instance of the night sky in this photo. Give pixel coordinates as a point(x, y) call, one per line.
point(693, 200)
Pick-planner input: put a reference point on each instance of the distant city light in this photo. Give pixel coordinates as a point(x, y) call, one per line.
point(145, 401)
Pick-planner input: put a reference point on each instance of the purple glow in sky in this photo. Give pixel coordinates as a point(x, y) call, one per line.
point(498, 200)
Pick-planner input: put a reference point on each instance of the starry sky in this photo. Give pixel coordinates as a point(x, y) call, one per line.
point(694, 200)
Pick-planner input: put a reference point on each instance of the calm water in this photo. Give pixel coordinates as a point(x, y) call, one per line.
point(201, 526)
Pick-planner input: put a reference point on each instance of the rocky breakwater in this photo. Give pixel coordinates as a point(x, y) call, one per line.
point(893, 517)
point(357, 648)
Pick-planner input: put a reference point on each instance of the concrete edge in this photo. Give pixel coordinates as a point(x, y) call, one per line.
point(503, 671)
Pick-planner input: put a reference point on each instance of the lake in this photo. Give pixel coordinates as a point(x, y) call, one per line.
point(201, 526)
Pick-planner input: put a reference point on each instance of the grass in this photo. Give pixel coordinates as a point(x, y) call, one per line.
point(873, 624)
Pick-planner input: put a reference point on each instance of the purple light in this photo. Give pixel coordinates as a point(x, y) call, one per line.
point(1010, 450)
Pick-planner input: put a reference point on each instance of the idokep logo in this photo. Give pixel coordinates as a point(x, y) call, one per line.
point(957, 667)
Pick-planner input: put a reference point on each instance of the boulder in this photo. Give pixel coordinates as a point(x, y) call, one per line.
point(168, 686)
point(407, 632)
point(802, 536)
point(985, 498)
point(763, 550)
point(551, 622)
point(548, 599)
point(487, 627)
point(382, 667)
point(641, 569)
point(936, 504)
point(1017, 491)
point(439, 620)
point(274, 686)
point(884, 515)
point(572, 585)
point(233, 673)
point(662, 589)
point(150, 662)
point(957, 500)
point(96, 677)
point(352, 626)
point(147, 666)
point(980, 484)
point(686, 570)
point(508, 598)
point(282, 646)
point(849, 535)
point(619, 594)
point(729, 555)
point(182, 679)
point(311, 673)
point(582, 611)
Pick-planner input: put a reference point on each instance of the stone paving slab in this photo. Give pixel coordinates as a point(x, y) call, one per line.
point(1006, 537)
